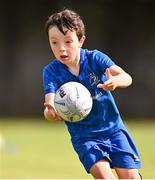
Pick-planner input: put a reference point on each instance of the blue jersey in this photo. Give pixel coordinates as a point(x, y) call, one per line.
point(104, 117)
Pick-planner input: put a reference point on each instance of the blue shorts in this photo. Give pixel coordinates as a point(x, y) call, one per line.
point(118, 148)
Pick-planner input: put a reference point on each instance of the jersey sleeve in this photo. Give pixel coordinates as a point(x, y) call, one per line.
point(102, 61)
point(49, 81)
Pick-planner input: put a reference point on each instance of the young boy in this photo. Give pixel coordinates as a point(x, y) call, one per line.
point(101, 140)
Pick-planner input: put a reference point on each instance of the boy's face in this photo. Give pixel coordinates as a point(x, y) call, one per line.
point(66, 48)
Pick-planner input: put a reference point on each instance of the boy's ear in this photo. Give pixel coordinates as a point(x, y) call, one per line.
point(81, 41)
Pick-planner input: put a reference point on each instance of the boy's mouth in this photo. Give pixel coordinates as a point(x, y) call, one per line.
point(63, 56)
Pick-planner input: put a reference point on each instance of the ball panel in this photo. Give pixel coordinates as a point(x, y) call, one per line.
point(73, 101)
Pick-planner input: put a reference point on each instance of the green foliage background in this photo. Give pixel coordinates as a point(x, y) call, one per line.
point(40, 149)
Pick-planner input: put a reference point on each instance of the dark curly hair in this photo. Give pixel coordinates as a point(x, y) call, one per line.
point(66, 19)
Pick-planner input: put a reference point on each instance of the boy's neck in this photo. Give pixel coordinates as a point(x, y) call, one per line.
point(74, 69)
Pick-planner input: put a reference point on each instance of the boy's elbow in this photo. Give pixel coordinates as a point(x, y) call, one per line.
point(129, 80)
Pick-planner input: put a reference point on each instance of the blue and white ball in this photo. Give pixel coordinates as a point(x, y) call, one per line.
point(73, 101)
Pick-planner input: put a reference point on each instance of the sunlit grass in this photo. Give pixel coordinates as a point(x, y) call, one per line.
point(35, 148)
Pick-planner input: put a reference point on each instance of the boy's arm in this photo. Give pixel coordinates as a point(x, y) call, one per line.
point(49, 111)
point(116, 77)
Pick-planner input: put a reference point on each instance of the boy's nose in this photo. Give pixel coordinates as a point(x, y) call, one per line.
point(62, 48)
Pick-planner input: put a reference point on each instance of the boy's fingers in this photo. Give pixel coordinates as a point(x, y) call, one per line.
point(99, 85)
point(107, 83)
point(48, 105)
point(52, 111)
point(102, 86)
point(58, 117)
point(108, 74)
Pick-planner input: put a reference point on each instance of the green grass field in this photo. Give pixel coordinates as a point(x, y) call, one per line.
point(40, 149)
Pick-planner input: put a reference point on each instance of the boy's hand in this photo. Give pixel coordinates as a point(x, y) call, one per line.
point(110, 84)
point(50, 113)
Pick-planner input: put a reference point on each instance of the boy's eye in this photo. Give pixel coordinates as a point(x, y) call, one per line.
point(54, 42)
point(69, 41)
